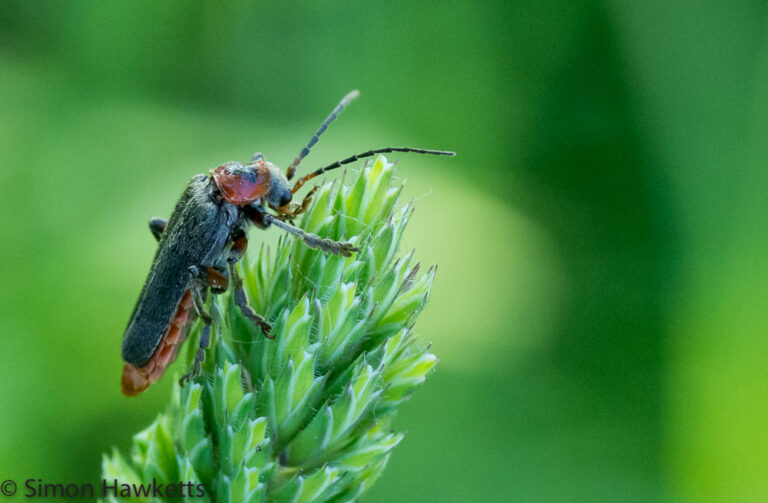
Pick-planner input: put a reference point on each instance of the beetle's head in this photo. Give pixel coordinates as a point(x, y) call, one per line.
point(279, 194)
point(241, 184)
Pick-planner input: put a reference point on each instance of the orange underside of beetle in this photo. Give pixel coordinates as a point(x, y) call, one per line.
point(137, 379)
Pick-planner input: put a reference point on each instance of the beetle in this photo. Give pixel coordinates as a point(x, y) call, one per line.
point(200, 244)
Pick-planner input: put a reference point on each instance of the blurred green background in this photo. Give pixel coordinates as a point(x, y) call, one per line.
point(600, 308)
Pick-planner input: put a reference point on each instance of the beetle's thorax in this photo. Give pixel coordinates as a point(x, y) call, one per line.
point(242, 184)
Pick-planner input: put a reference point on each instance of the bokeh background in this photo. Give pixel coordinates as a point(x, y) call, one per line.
point(600, 307)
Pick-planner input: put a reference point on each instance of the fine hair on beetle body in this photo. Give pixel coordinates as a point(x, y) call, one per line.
point(202, 241)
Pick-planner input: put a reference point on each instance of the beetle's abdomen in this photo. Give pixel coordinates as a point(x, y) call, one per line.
point(196, 235)
point(137, 379)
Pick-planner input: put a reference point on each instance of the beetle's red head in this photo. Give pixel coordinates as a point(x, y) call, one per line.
point(241, 184)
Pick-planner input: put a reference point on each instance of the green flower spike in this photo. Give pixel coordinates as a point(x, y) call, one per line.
point(304, 417)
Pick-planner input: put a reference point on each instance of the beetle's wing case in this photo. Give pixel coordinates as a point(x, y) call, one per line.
point(196, 234)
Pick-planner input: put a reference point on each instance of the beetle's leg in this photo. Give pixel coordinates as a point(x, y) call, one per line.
point(205, 336)
point(298, 209)
point(313, 240)
point(216, 279)
point(290, 211)
point(241, 300)
point(259, 217)
point(239, 247)
point(157, 226)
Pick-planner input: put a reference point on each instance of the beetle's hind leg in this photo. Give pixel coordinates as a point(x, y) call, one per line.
point(157, 227)
point(198, 303)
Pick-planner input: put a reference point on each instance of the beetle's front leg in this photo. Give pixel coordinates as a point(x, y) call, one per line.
point(241, 300)
point(289, 212)
point(313, 240)
point(197, 289)
point(304, 206)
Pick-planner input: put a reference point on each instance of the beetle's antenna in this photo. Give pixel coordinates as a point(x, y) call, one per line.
point(301, 181)
point(305, 151)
